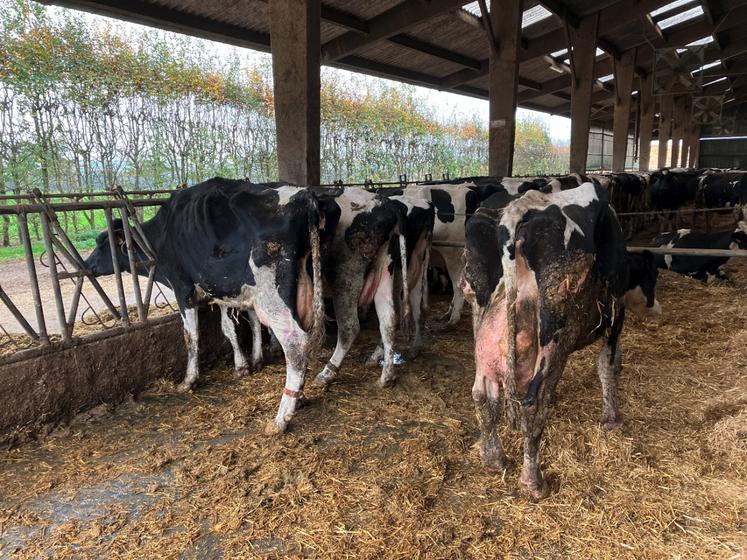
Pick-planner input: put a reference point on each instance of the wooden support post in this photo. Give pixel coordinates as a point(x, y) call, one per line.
point(677, 130)
point(505, 20)
point(582, 44)
point(695, 147)
point(295, 35)
point(623, 71)
point(665, 125)
point(646, 123)
point(687, 131)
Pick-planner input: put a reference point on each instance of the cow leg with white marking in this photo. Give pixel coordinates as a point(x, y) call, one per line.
point(609, 365)
point(384, 302)
point(455, 267)
point(418, 285)
point(273, 312)
point(191, 339)
point(257, 355)
point(486, 393)
point(533, 416)
point(345, 303)
point(228, 325)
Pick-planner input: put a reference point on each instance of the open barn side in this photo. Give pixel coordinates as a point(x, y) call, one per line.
point(366, 471)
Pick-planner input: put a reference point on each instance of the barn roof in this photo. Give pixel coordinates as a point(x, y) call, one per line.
point(441, 44)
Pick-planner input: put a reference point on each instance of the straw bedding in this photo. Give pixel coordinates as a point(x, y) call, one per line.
point(376, 473)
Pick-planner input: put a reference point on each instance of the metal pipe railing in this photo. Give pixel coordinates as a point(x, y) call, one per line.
point(15, 209)
point(92, 194)
point(636, 249)
point(65, 263)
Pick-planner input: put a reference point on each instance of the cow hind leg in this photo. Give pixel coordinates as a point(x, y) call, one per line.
point(455, 268)
point(608, 368)
point(487, 396)
point(348, 326)
point(532, 426)
point(384, 303)
point(533, 417)
point(295, 361)
point(417, 307)
point(609, 365)
point(240, 365)
point(257, 355)
point(295, 344)
point(191, 339)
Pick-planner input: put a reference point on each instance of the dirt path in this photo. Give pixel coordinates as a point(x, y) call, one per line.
point(14, 280)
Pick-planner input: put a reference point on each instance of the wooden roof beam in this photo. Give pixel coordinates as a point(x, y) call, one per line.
point(355, 24)
point(562, 11)
point(420, 46)
point(614, 16)
point(170, 19)
point(392, 22)
point(476, 22)
point(653, 26)
point(682, 36)
point(344, 19)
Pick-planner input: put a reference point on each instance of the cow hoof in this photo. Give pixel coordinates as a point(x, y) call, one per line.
point(324, 378)
point(535, 490)
point(257, 366)
point(240, 372)
point(184, 387)
point(612, 425)
point(493, 462)
point(387, 382)
point(275, 427)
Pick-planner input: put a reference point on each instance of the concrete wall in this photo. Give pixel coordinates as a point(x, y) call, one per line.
point(47, 386)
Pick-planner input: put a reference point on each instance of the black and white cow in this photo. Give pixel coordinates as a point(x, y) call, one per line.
point(452, 203)
point(456, 200)
point(629, 192)
point(369, 245)
point(239, 246)
point(701, 268)
point(419, 222)
point(561, 258)
point(673, 188)
point(720, 190)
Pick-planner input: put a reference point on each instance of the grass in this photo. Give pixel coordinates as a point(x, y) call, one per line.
point(83, 240)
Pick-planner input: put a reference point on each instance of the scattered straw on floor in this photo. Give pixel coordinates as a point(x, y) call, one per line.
point(371, 473)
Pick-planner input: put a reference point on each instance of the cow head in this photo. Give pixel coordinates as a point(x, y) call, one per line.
point(99, 262)
point(640, 296)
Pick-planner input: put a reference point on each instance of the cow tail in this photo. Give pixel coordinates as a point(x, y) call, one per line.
point(405, 297)
point(316, 222)
point(510, 398)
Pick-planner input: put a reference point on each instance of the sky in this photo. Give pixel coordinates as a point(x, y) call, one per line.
point(444, 104)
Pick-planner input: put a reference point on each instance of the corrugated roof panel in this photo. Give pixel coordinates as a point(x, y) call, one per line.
point(530, 15)
point(682, 17)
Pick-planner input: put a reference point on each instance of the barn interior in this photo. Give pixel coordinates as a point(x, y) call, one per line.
point(367, 472)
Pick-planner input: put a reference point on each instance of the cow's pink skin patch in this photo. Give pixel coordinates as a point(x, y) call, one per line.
point(304, 296)
point(374, 278)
